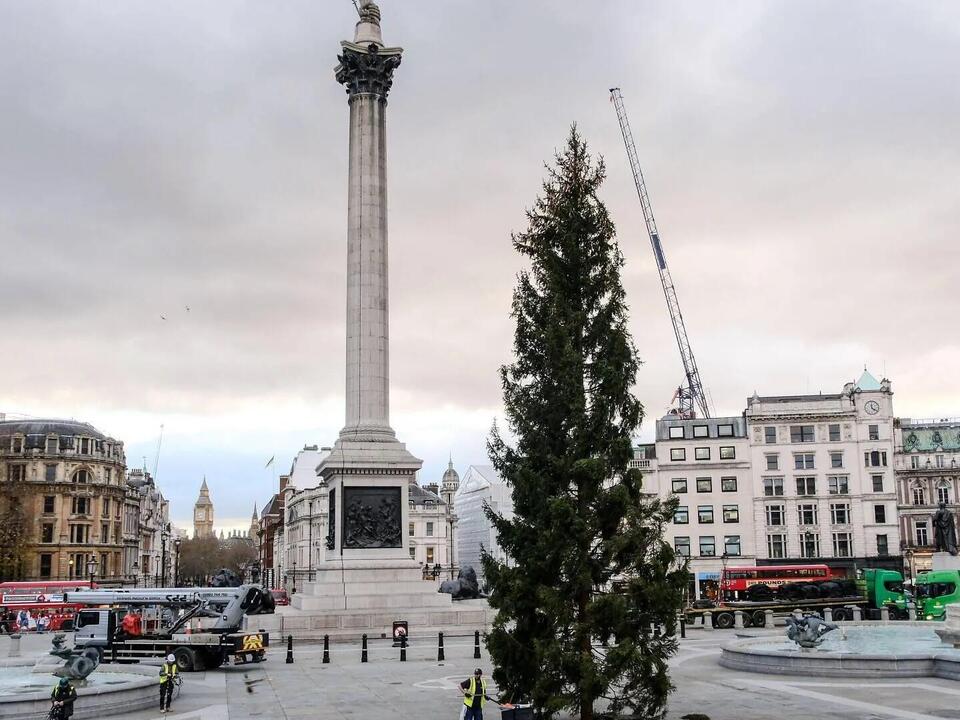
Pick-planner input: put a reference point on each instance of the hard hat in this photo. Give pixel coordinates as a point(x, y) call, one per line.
point(64, 681)
point(171, 658)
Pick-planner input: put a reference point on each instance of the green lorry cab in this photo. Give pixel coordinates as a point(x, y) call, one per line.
point(935, 590)
point(884, 588)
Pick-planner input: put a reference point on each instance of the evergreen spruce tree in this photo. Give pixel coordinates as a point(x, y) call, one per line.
point(590, 572)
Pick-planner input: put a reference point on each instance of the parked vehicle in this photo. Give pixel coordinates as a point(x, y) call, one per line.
point(935, 590)
point(42, 598)
point(280, 596)
point(875, 589)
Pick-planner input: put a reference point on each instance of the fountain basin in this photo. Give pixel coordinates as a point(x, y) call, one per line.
point(113, 690)
point(871, 650)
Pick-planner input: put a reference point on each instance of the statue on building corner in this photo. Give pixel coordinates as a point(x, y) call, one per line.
point(944, 531)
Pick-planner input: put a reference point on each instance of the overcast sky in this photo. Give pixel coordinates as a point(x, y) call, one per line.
point(802, 160)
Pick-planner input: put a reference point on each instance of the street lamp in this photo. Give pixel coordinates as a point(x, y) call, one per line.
point(136, 573)
point(263, 580)
point(92, 569)
point(294, 591)
point(908, 554)
point(176, 567)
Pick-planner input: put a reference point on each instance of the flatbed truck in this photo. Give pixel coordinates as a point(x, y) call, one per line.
point(876, 589)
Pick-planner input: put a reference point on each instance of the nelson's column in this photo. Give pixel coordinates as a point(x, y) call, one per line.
point(367, 566)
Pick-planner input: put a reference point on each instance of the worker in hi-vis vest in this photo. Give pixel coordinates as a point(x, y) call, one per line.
point(474, 695)
point(168, 674)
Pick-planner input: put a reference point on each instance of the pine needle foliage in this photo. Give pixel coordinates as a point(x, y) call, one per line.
point(589, 573)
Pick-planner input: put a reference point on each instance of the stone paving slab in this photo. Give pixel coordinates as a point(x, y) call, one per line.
point(424, 689)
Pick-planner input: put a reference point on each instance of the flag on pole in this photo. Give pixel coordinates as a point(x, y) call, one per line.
point(269, 462)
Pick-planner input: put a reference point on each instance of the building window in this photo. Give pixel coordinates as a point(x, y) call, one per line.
point(82, 477)
point(803, 461)
point(772, 486)
point(16, 444)
point(51, 445)
point(806, 486)
point(770, 435)
point(728, 484)
point(842, 545)
point(840, 513)
point(836, 459)
point(809, 545)
point(430, 559)
point(48, 503)
point(838, 484)
point(877, 483)
point(50, 473)
point(943, 494)
point(413, 552)
point(705, 514)
point(939, 459)
point(704, 485)
point(919, 495)
point(776, 546)
point(834, 433)
point(775, 515)
point(679, 485)
point(701, 453)
point(106, 507)
point(875, 458)
point(708, 546)
point(873, 432)
point(880, 514)
point(920, 532)
point(46, 565)
point(681, 516)
point(79, 533)
point(882, 548)
point(914, 462)
point(731, 513)
point(701, 431)
point(676, 432)
point(801, 433)
point(81, 506)
point(84, 446)
point(105, 533)
point(728, 453)
point(411, 529)
point(16, 473)
point(773, 462)
point(807, 514)
point(46, 533)
point(681, 546)
point(731, 545)
point(429, 529)
point(725, 430)
point(107, 476)
point(678, 454)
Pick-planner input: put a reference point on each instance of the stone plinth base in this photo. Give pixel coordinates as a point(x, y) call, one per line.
point(457, 618)
point(945, 561)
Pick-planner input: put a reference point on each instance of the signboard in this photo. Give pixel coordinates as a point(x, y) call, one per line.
point(400, 630)
point(708, 576)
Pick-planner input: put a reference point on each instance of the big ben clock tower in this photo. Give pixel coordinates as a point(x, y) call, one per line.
point(203, 513)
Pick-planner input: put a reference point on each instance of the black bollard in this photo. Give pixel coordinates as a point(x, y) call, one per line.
point(683, 626)
point(289, 649)
point(440, 657)
point(326, 649)
point(476, 645)
point(403, 648)
point(363, 649)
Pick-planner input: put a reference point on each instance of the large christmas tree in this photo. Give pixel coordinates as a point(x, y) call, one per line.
point(589, 572)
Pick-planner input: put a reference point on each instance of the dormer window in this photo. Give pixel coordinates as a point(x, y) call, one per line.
point(16, 444)
point(51, 445)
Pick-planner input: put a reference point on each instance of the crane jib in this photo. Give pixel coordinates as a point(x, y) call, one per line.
point(658, 251)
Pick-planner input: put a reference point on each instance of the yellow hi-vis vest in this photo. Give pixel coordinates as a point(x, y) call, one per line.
point(472, 690)
point(168, 671)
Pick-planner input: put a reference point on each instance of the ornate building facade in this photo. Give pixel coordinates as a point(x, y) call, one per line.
point(63, 495)
point(149, 555)
point(927, 467)
point(203, 513)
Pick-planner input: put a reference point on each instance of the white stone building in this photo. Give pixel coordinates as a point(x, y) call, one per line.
point(927, 468)
point(823, 477)
point(149, 557)
point(706, 464)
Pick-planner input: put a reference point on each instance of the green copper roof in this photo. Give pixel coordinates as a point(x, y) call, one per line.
point(868, 381)
point(931, 439)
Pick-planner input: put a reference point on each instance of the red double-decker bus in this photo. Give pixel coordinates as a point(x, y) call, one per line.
point(734, 581)
point(42, 597)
